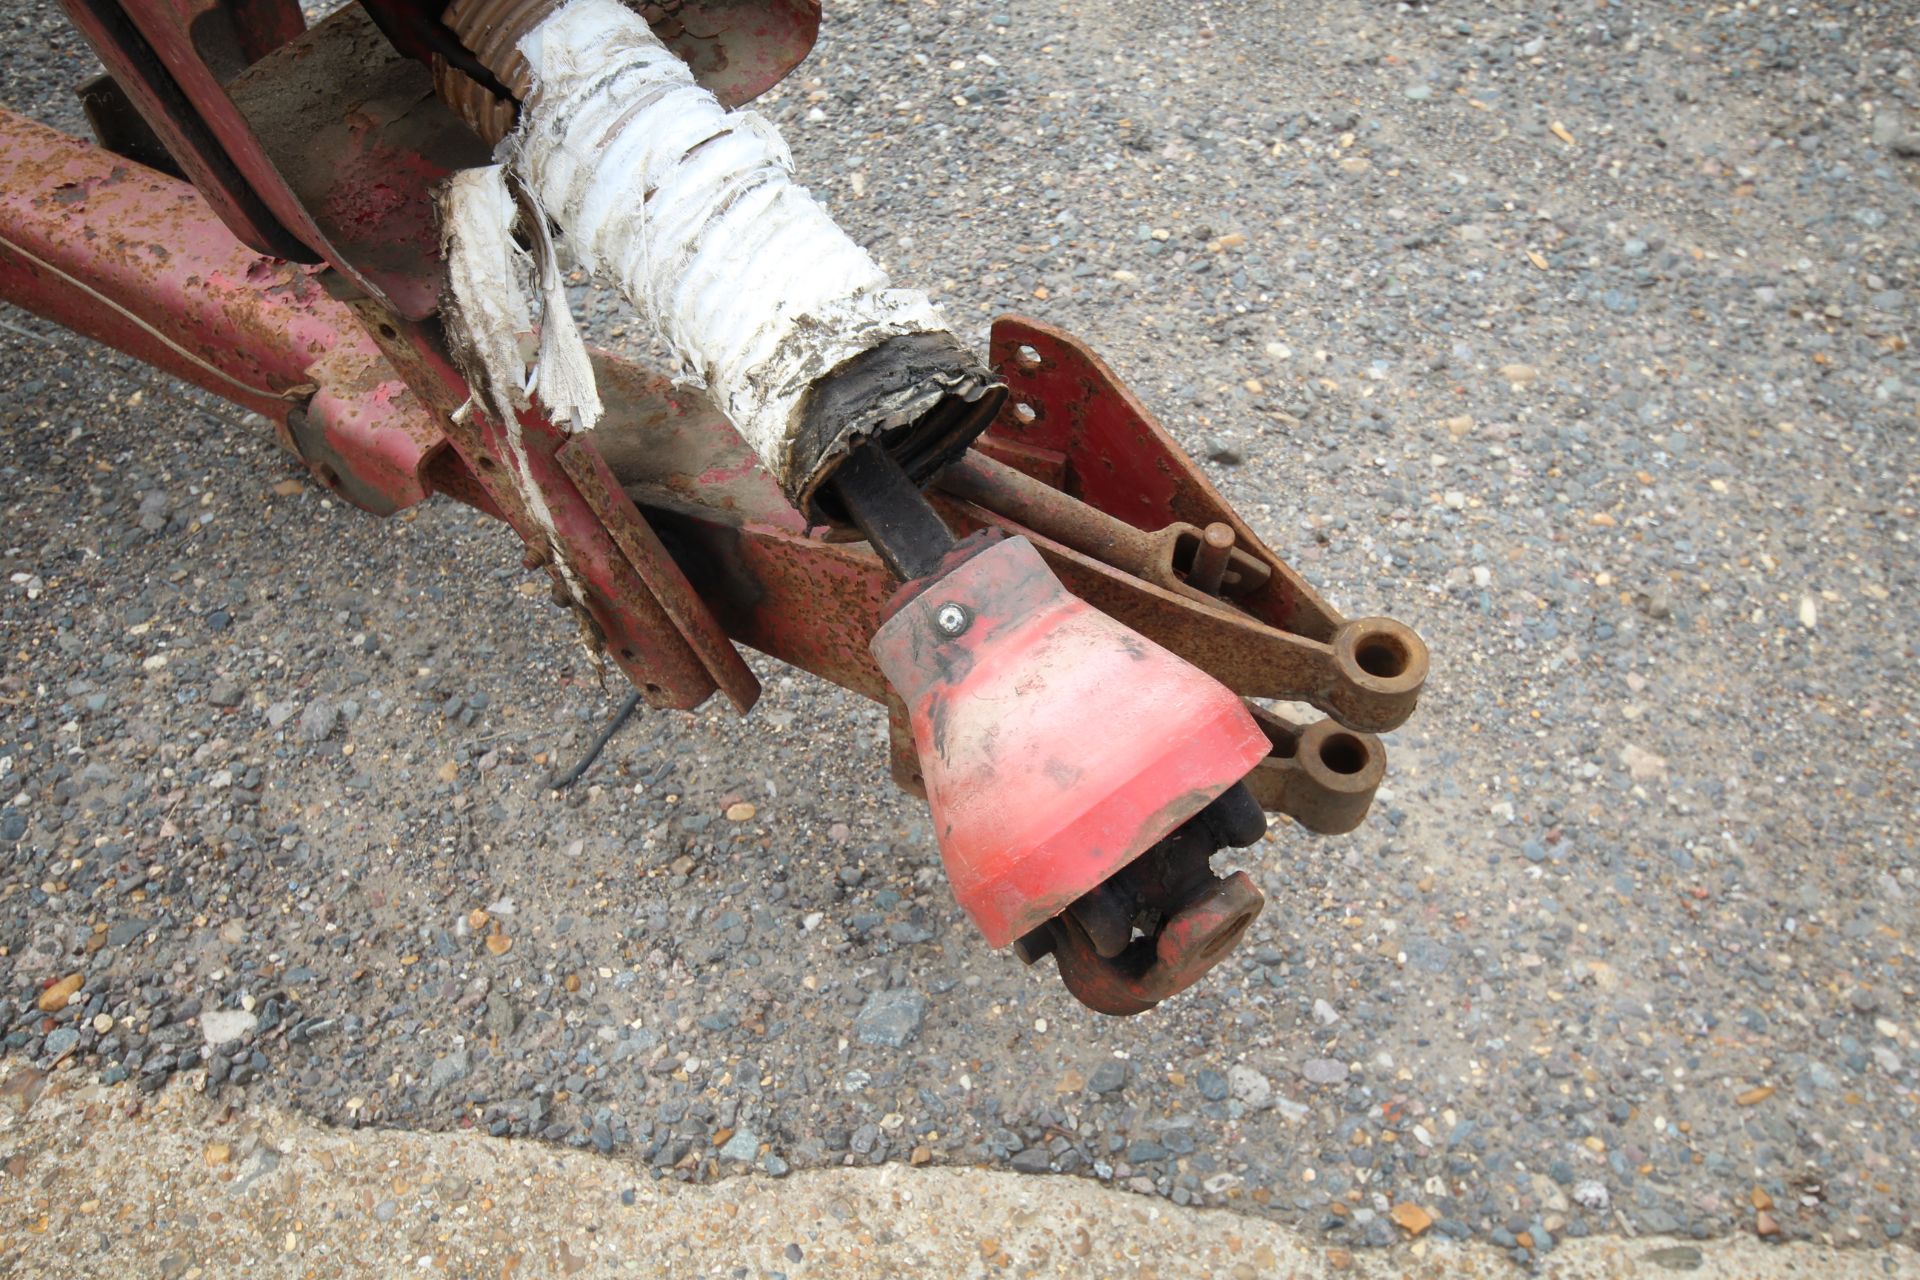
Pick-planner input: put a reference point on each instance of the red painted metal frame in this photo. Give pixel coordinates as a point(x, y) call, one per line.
point(137, 260)
point(663, 578)
point(1067, 411)
point(1112, 455)
point(634, 618)
point(167, 56)
point(353, 131)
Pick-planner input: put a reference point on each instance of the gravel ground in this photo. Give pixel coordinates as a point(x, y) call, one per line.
point(1574, 335)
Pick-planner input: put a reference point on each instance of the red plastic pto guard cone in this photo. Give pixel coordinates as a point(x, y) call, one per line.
point(1057, 745)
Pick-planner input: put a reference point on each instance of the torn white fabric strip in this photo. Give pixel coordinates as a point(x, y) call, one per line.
point(693, 212)
point(484, 275)
point(484, 266)
point(489, 311)
point(562, 371)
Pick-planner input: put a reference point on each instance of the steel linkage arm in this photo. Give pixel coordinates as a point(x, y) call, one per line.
point(1269, 636)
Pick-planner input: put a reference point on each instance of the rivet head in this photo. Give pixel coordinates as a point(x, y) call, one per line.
point(952, 619)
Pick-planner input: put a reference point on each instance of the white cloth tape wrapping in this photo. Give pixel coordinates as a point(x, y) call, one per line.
point(693, 212)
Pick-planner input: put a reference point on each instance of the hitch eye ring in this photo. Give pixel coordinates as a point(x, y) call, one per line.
point(1380, 655)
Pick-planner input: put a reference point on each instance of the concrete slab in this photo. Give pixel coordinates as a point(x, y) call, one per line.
point(106, 1181)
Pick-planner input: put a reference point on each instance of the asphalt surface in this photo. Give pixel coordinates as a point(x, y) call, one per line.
point(1574, 336)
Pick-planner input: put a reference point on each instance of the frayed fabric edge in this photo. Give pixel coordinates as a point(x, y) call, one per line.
point(481, 209)
point(488, 312)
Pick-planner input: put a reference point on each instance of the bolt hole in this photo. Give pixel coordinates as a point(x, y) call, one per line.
point(388, 331)
point(1343, 753)
point(1381, 655)
point(1027, 358)
point(1024, 414)
point(652, 688)
point(486, 463)
point(328, 476)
